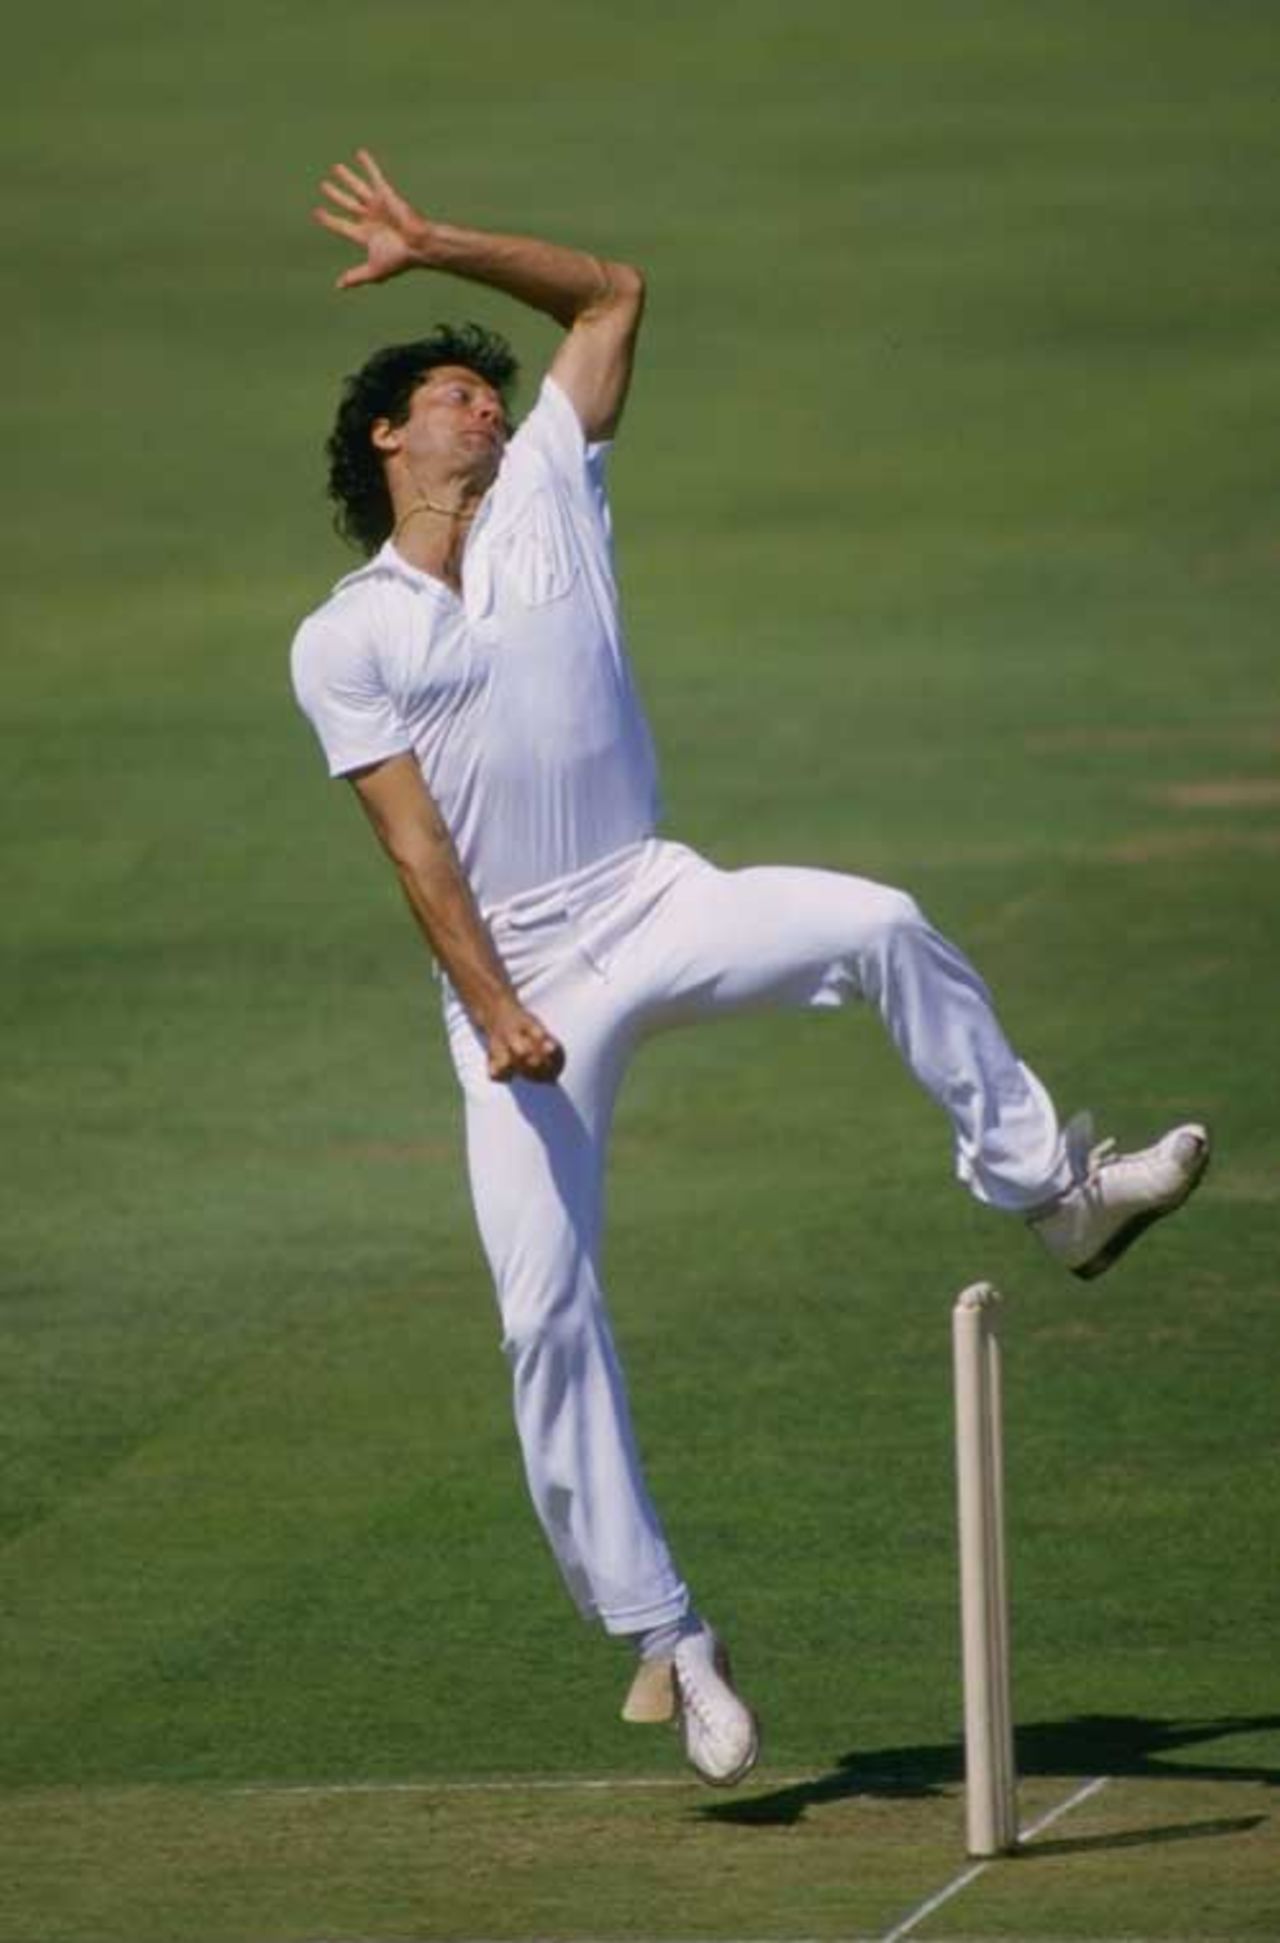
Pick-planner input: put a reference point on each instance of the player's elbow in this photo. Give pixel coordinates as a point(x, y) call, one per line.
point(628, 282)
point(624, 290)
point(418, 857)
point(415, 840)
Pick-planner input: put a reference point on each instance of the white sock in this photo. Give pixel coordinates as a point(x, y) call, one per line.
point(660, 1642)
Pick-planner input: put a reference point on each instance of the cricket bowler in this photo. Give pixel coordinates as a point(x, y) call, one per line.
point(470, 681)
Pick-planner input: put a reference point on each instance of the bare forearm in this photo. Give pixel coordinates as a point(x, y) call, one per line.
point(440, 897)
point(416, 838)
point(566, 284)
point(517, 1045)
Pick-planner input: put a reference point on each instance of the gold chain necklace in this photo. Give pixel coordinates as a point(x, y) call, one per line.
point(425, 505)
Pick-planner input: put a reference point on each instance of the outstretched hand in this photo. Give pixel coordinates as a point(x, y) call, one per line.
point(376, 218)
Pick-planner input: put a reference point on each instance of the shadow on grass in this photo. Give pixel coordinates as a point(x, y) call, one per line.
point(1128, 1745)
point(1141, 1838)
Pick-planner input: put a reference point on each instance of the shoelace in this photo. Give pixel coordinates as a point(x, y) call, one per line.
point(1089, 1187)
point(702, 1706)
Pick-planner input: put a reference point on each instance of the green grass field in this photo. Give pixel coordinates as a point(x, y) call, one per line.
point(948, 527)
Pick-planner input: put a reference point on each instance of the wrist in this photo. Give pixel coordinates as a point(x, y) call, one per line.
point(434, 245)
point(421, 241)
point(492, 1008)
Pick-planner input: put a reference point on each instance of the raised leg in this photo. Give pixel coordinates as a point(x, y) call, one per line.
point(777, 936)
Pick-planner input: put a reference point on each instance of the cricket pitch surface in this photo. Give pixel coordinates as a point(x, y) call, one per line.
point(787, 1859)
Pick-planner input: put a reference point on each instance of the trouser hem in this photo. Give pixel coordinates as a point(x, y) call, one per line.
point(620, 1620)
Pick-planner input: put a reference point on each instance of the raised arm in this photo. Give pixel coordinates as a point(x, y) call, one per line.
point(598, 303)
point(413, 834)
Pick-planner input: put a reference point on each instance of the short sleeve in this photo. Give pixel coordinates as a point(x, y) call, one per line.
point(340, 690)
point(554, 432)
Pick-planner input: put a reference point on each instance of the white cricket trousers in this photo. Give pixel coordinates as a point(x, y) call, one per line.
point(651, 937)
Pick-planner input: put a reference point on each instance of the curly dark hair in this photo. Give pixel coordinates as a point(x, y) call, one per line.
point(382, 388)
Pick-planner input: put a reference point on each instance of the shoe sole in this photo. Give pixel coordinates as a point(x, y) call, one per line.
point(752, 1755)
point(1123, 1238)
point(740, 1773)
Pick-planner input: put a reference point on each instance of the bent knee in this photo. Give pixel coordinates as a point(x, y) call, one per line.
point(892, 916)
point(550, 1319)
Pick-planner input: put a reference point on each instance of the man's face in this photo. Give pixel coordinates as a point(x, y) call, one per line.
point(456, 428)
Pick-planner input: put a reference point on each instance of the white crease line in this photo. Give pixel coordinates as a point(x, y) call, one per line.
point(927, 1908)
point(860, 1938)
point(966, 1876)
point(1089, 1789)
point(600, 1784)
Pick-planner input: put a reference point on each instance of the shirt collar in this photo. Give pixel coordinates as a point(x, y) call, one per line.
point(390, 565)
point(388, 562)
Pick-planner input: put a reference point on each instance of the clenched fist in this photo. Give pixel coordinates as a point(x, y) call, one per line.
point(520, 1047)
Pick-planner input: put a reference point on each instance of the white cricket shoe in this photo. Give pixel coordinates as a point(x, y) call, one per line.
point(1116, 1196)
point(720, 1734)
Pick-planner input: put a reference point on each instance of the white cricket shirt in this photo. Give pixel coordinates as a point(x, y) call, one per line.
point(517, 698)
